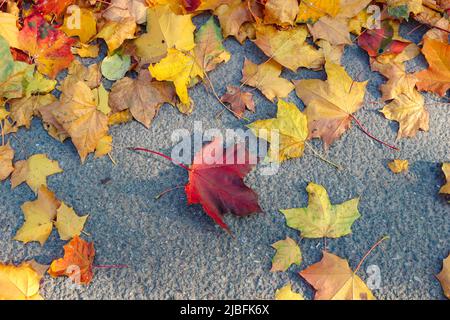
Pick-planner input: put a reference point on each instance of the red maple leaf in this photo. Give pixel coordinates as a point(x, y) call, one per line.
point(216, 181)
point(49, 47)
point(380, 41)
point(55, 7)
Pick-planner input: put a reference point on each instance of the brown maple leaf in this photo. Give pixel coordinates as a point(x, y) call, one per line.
point(239, 100)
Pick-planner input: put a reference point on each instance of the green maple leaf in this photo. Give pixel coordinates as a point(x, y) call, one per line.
point(322, 219)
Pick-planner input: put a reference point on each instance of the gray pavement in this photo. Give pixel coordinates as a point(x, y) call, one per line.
point(174, 251)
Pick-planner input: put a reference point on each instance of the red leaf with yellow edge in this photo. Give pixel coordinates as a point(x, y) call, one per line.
point(49, 47)
point(76, 263)
point(216, 182)
point(55, 7)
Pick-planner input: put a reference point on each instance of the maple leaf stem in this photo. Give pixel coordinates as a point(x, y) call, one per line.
point(363, 129)
point(369, 252)
point(321, 157)
point(162, 155)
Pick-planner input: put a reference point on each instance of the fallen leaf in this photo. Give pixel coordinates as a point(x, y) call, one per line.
point(116, 32)
point(177, 67)
point(281, 12)
point(382, 41)
point(19, 283)
point(53, 7)
point(68, 223)
point(437, 77)
point(266, 77)
point(238, 100)
point(49, 47)
point(408, 109)
point(286, 293)
point(77, 72)
point(288, 47)
point(76, 263)
point(288, 253)
point(116, 66)
point(13, 74)
point(232, 16)
point(101, 96)
point(209, 50)
point(334, 280)
point(81, 24)
point(446, 169)
point(398, 166)
point(9, 30)
point(22, 110)
point(216, 182)
point(322, 219)
point(120, 117)
point(330, 103)
point(142, 96)
point(311, 10)
point(39, 216)
point(292, 130)
point(104, 146)
point(39, 85)
point(444, 276)
point(78, 115)
point(334, 30)
point(119, 9)
point(403, 8)
point(165, 30)
point(34, 171)
point(6, 158)
point(86, 51)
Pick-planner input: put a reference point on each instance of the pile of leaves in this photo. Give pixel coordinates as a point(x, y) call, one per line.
point(155, 54)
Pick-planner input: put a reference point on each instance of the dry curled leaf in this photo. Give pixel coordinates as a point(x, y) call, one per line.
point(398, 166)
point(6, 159)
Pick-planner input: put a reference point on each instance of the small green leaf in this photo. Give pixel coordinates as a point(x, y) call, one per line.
point(115, 67)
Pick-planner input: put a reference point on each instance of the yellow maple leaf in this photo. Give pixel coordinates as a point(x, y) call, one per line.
point(68, 223)
point(104, 146)
point(330, 103)
point(266, 77)
point(165, 30)
point(116, 32)
point(286, 293)
point(311, 10)
point(9, 30)
point(291, 127)
point(34, 171)
point(398, 166)
point(86, 51)
point(178, 68)
point(19, 283)
point(22, 110)
point(85, 28)
point(6, 158)
point(39, 216)
point(408, 109)
point(288, 253)
point(78, 115)
point(288, 47)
